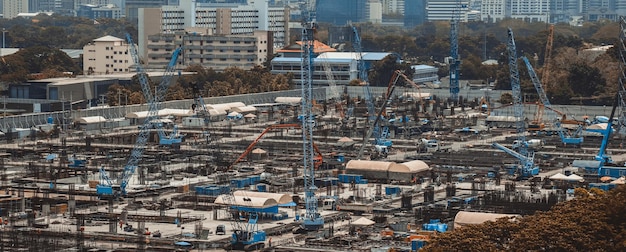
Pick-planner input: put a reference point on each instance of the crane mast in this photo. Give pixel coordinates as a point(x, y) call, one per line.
point(454, 53)
point(312, 219)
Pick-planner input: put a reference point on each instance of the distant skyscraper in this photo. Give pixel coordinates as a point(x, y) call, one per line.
point(340, 12)
point(11, 8)
point(414, 12)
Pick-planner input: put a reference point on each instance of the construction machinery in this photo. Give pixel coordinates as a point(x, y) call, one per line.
point(378, 144)
point(312, 219)
point(106, 188)
point(380, 135)
point(566, 138)
point(318, 159)
point(537, 123)
point(601, 162)
point(526, 167)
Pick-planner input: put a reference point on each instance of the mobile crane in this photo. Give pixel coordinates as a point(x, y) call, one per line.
point(527, 166)
point(565, 137)
point(106, 188)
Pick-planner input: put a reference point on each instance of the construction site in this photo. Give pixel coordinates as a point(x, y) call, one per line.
point(312, 169)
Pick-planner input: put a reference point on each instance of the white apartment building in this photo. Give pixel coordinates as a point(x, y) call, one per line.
point(492, 11)
point(106, 55)
point(239, 20)
point(12, 8)
point(215, 51)
point(531, 10)
point(445, 10)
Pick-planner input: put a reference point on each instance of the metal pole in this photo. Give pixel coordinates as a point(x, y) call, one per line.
point(3, 41)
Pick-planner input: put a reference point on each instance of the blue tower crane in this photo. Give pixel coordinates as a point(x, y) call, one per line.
point(106, 186)
point(381, 142)
point(527, 167)
point(565, 138)
point(312, 219)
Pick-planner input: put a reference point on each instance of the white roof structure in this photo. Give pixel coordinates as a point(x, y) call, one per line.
point(216, 112)
point(368, 165)
point(417, 95)
point(244, 109)
point(280, 198)
point(363, 222)
point(225, 106)
point(288, 100)
point(247, 201)
point(91, 119)
point(558, 176)
point(162, 112)
point(464, 218)
point(108, 38)
point(414, 166)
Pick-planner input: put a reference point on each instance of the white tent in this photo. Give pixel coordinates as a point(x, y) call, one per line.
point(619, 181)
point(363, 222)
point(575, 177)
point(558, 176)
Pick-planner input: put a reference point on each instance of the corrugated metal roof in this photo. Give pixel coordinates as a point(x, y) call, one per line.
point(244, 109)
point(288, 100)
point(162, 112)
point(91, 119)
point(280, 198)
point(299, 60)
point(73, 53)
point(225, 106)
point(414, 166)
point(368, 165)
point(421, 67)
point(247, 201)
point(464, 218)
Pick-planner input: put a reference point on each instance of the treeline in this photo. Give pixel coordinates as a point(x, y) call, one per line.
point(574, 78)
point(593, 221)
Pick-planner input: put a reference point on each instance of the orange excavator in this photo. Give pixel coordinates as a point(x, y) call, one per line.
point(317, 160)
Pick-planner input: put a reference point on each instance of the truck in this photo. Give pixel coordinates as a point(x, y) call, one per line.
point(534, 144)
point(338, 205)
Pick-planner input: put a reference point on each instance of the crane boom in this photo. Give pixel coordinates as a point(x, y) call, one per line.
point(317, 159)
point(566, 139)
point(136, 154)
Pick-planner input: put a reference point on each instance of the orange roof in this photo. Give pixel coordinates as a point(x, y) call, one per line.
point(318, 47)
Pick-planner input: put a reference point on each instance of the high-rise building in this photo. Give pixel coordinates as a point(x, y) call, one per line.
point(530, 10)
point(414, 12)
point(132, 7)
point(493, 11)
point(341, 12)
point(374, 11)
point(233, 20)
point(445, 10)
point(11, 8)
point(394, 6)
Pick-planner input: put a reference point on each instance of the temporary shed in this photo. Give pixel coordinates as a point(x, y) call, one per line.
point(91, 119)
point(160, 113)
point(244, 109)
point(406, 171)
point(363, 222)
point(91, 122)
point(558, 176)
point(225, 106)
point(247, 201)
point(280, 198)
point(288, 100)
point(574, 177)
point(374, 170)
point(464, 218)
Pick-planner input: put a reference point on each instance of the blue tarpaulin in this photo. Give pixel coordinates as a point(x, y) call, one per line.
point(290, 204)
point(182, 243)
point(51, 156)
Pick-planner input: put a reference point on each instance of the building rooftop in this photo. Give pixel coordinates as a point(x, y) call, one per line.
point(108, 38)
